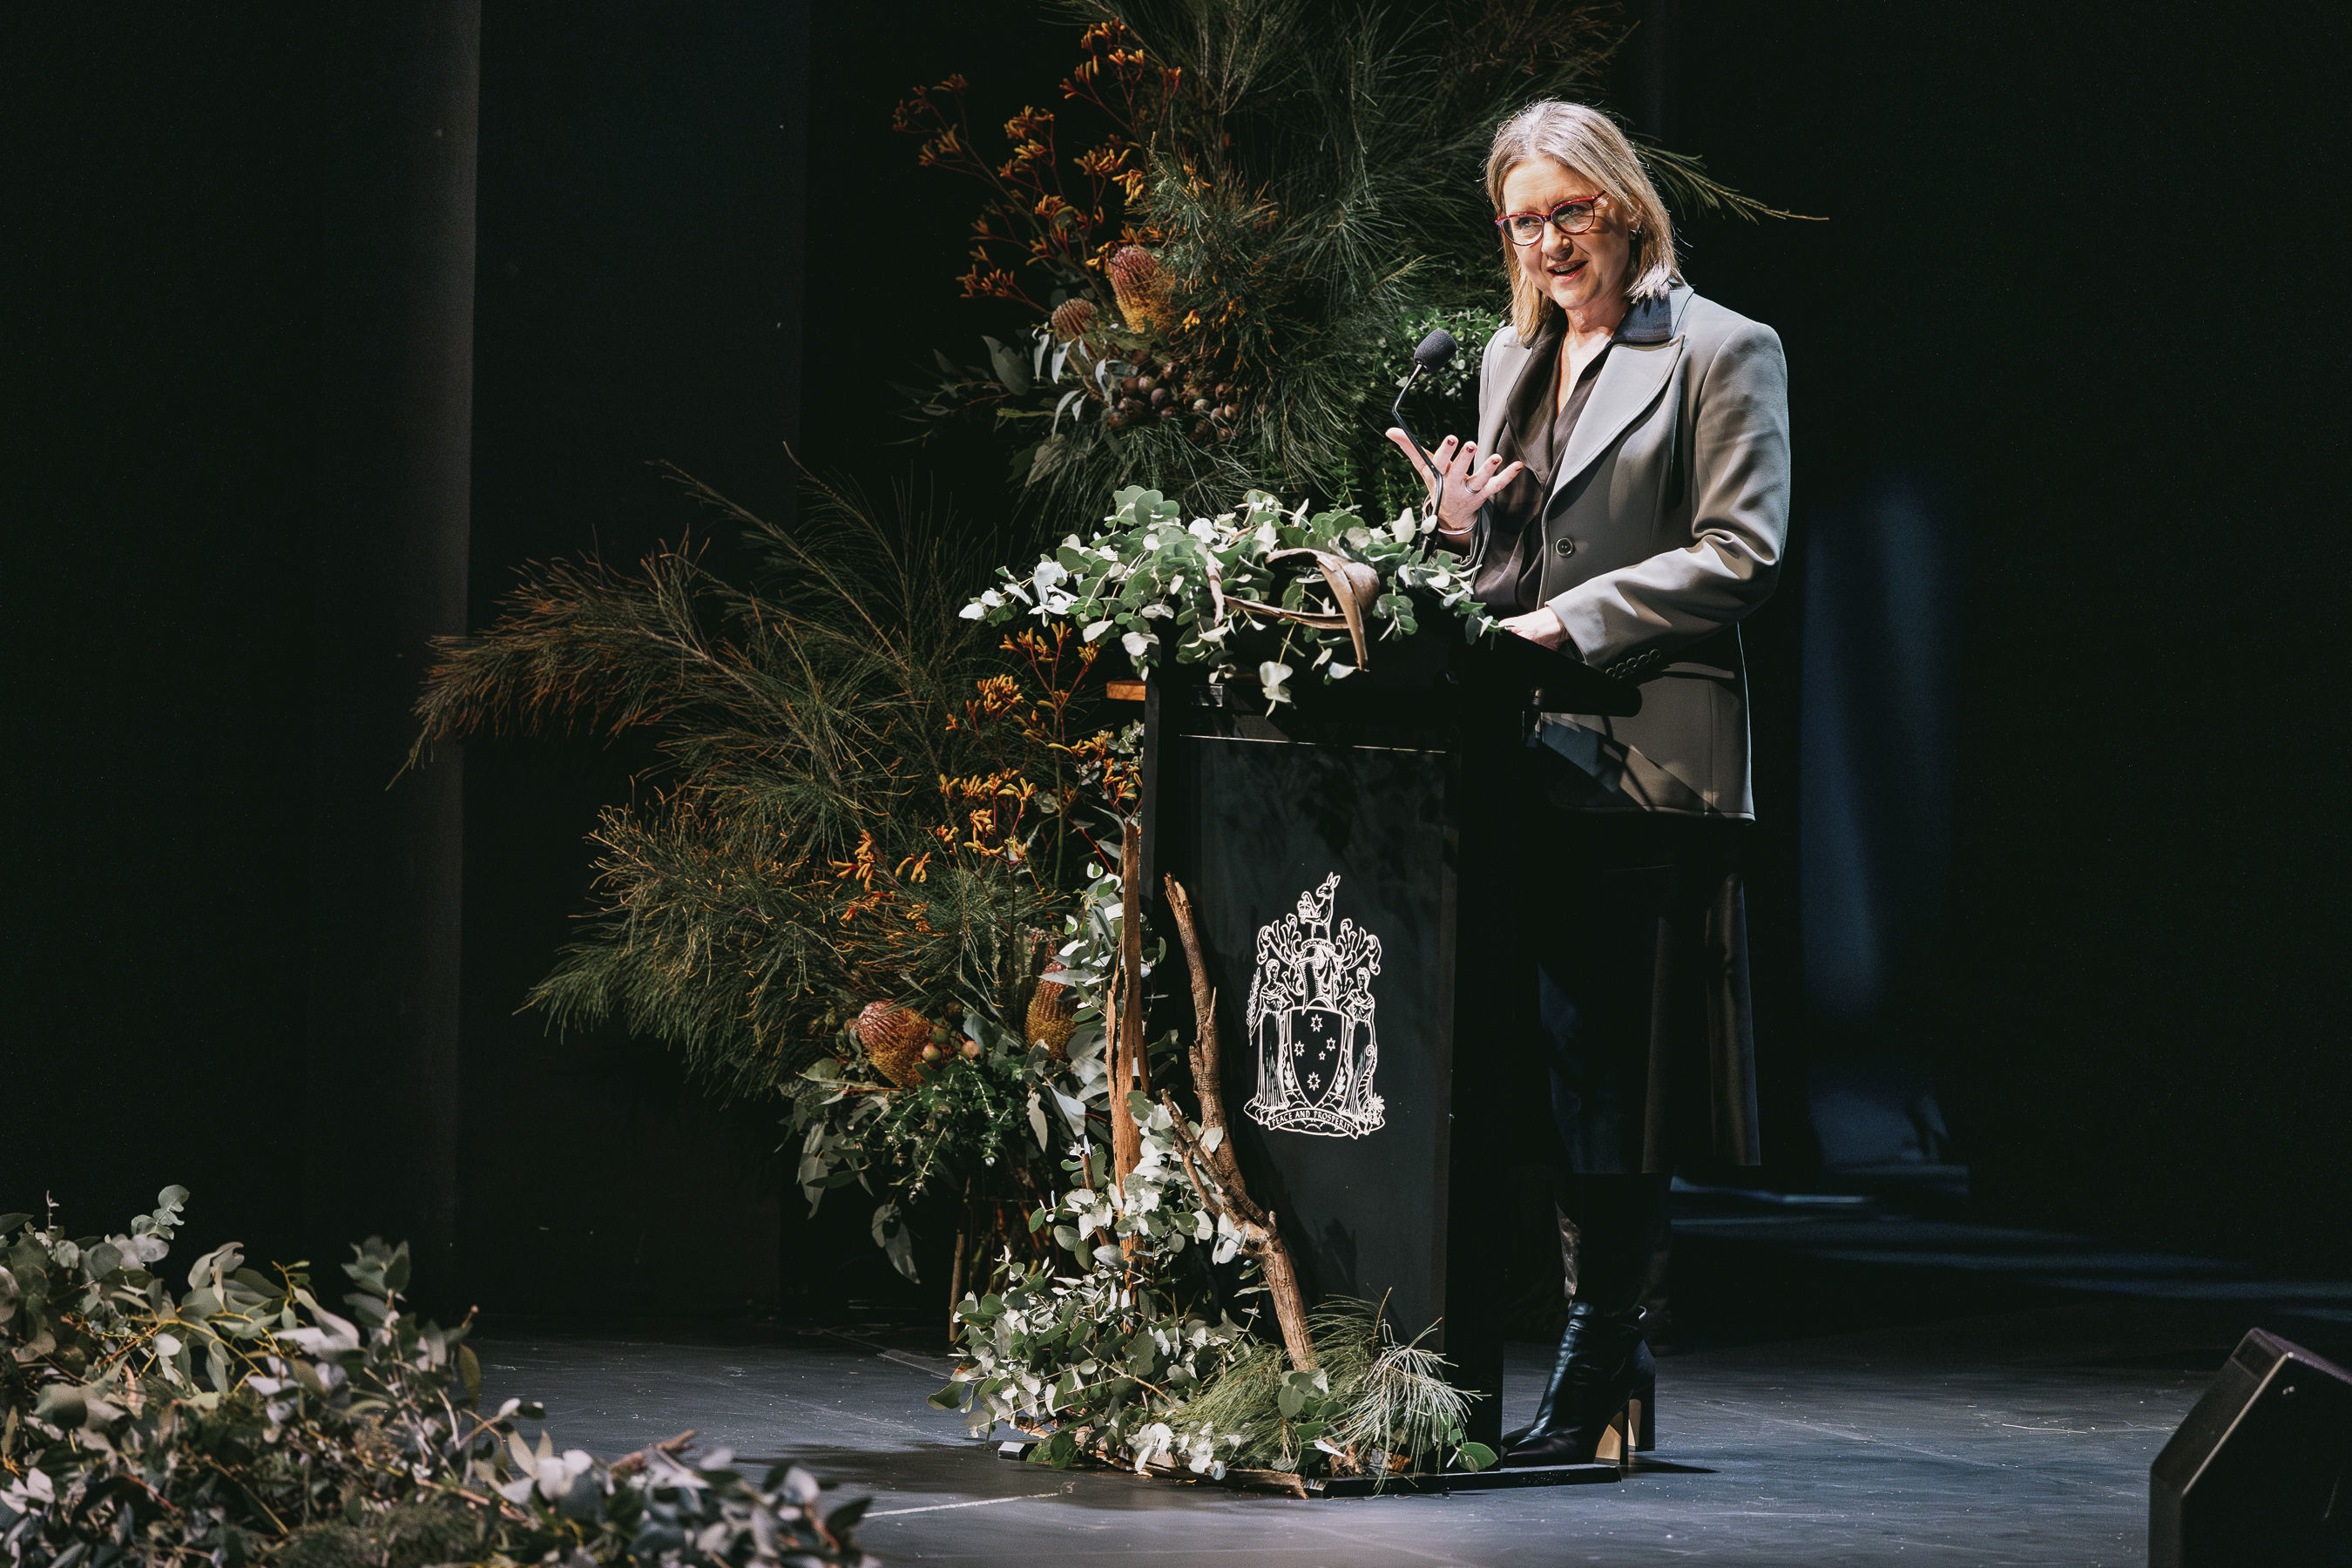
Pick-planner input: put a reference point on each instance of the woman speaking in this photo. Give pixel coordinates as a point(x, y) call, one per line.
point(1626, 501)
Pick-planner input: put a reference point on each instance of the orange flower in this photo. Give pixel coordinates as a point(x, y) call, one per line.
point(862, 863)
point(1029, 125)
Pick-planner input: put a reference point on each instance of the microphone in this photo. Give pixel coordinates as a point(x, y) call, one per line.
point(1436, 351)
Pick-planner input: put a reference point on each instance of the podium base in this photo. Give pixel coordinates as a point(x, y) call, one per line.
point(1497, 1479)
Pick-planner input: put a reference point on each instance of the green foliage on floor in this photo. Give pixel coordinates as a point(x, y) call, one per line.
point(1112, 1350)
point(239, 1420)
point(1369, 1407)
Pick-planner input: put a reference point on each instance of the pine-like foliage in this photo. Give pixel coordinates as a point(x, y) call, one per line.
point(1370, 1405)
point(1289, 182)
point(860, 799)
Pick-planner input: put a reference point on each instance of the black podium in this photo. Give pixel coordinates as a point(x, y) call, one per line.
point(1352, 862)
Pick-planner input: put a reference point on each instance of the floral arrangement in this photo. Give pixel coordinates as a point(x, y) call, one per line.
point(1123, 1361)
point(978, 1116)
point(1186, 591)
point(861, 803)
point(1097, 1327)
point(240, 1420)
point(1225, 235)
point(873, 832)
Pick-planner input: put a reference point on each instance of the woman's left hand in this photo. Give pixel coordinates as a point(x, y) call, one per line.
point(1539, 626)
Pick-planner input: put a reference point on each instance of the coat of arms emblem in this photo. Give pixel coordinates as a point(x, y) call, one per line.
point(1310, 1017)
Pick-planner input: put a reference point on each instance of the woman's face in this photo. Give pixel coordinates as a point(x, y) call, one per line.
point(1583, 274)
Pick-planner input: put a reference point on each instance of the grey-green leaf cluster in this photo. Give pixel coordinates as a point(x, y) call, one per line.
point(242, 1421)
point(1175, 592)
point(1112, 1350)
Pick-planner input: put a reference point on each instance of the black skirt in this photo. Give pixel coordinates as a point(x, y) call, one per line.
point(1638, 933)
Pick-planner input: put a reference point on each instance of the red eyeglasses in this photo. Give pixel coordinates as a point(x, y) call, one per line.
point(1577, 217)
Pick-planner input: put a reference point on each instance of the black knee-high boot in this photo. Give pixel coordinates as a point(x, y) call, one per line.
point(1602, 1364)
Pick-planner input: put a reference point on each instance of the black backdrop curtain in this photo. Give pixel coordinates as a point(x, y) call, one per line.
point(2071, 318)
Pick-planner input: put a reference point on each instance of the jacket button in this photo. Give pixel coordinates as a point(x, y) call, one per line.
point(1565, 547)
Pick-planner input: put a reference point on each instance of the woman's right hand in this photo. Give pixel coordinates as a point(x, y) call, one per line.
point(1469, 483)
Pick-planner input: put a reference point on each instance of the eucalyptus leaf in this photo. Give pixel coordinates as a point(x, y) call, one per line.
point(1009, 366)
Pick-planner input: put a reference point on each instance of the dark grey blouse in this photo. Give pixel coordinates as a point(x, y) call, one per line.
point(1509, 578)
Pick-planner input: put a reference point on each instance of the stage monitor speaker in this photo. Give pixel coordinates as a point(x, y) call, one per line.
point(2260, 1475)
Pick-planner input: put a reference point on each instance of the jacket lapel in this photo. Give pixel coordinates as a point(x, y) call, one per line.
point(1636, 373)
point(1508, 363)
point(1638, 365)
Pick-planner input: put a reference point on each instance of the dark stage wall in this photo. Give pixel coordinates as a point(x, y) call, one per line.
point(2063, 365)
point(159, 412)
point(2047, 709)
point(269, 427)
point(638, 301)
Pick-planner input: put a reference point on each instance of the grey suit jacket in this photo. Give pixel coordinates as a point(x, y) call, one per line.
point(1666, 523)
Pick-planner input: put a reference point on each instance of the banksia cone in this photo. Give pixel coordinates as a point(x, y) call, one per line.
point(1053, 1011)
point(894, 1038)
point(1141, 287)
point(1073, 319)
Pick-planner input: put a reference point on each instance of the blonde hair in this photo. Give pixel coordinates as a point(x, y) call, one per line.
point(1584, 142)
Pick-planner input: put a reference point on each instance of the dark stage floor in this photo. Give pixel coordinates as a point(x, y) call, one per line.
point(1936, 1393)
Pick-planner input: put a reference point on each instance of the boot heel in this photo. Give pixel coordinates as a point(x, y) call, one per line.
point(1645, 1406)
point(1616, 1444)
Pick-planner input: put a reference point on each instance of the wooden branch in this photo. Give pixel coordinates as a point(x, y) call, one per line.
point(1261, 1238)
point(1130, 945)
point(1208, 1056)
point(1289, 1301)
point(968, 1231)
point(1124, 1019)
point(628, 1464)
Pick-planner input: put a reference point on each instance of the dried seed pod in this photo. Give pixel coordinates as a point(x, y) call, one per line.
point(1073, 319)
point(895, 1039)
point(1053, 1011)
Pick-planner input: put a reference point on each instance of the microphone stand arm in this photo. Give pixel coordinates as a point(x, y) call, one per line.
point(1429, 465)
